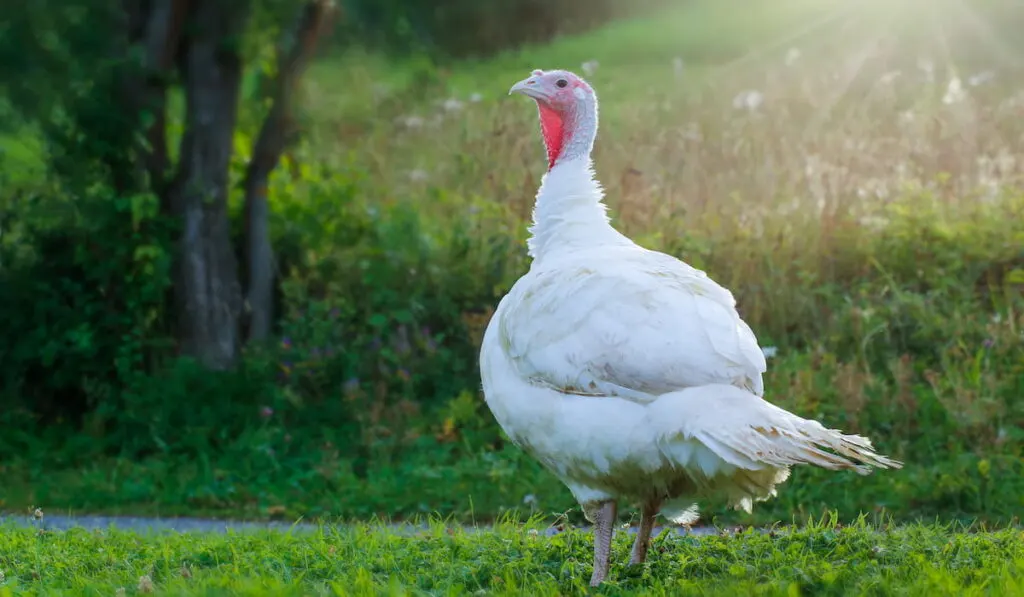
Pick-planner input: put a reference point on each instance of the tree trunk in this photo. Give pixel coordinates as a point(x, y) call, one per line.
point(277, 132)
point(207, 292)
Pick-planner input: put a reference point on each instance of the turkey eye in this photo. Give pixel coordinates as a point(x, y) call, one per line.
point(561, 82)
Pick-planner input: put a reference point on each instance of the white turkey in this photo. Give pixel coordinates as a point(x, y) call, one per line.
point(626, 372)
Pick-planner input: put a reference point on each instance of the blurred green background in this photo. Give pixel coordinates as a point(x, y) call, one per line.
point(852, 171)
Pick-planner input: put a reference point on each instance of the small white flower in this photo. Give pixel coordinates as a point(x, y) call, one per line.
point(874, 223)
point(873, 187)
point(769, 351)
point(589, 67)
point(928, 67)
point(475, 98)
point(889, 77)
point(418, 175)
point(380, 91)
point(902, 171)
point(1006, 162)
point(452, 105)
point(792, 56)
point(692, 132)
point(954, 92)
point(145, 584)
point(981, 78)
point(530, 499)
point(678, 66)
point(750, 99)
point(812, 165)
point(532, 532)
point(412, 122)
point(1013, 102)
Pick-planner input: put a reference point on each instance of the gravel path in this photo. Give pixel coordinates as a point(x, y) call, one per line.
point(147, 525)
point(144, 524)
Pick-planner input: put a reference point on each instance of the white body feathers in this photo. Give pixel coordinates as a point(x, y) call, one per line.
point(630, 375)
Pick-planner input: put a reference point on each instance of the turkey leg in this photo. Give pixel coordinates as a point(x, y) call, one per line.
point(604, 526)
point(643, 535)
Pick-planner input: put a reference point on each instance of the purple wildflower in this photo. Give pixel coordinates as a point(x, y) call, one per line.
point(266, 412)
point(401, 342)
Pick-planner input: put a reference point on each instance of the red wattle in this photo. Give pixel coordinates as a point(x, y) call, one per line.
point(552, 127)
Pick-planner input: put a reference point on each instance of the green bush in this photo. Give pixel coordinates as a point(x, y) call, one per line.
point(84, 280)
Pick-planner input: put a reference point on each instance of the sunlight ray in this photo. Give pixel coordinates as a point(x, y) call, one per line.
point(785, 40)
point(986, 34)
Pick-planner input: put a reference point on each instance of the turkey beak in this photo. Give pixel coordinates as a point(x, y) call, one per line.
point(527, 87)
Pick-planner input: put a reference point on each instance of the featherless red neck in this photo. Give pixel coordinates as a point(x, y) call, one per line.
point(567, 108)
point(552, 127)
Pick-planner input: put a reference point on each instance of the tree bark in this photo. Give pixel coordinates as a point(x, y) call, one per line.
point(207, 291)
point(276, 134)
point(155, 27)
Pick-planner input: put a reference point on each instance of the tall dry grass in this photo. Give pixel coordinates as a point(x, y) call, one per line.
point(775, 201)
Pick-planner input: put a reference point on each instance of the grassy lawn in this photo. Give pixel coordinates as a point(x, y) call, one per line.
point(513, 560)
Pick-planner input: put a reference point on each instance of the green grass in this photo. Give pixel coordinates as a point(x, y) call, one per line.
point(701, 33)
point(512, 560)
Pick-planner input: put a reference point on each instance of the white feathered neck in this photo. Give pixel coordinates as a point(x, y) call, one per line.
point(569, 212)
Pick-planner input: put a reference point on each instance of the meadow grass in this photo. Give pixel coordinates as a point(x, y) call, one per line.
point(511, 559)
point(865, 213)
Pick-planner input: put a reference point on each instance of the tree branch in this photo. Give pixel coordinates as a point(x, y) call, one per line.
point(163, 35)
point(277, 132)
point(155, 27)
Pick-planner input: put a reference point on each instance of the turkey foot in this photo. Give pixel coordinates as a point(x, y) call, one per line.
point(604, 526)
point(643, 535)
